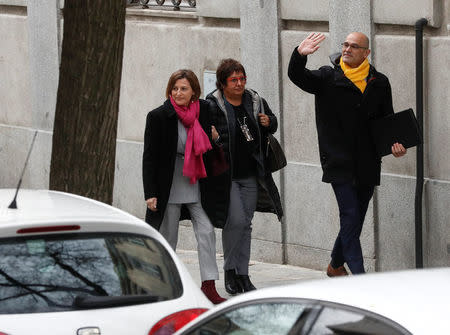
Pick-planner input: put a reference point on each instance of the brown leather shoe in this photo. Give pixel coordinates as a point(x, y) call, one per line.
point(340, 271)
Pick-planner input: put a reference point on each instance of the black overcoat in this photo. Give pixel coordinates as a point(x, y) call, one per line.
point(215, 190)
point(343, 115)
point(158, 163)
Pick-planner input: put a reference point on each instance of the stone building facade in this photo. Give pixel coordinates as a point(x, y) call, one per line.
point(262, 34)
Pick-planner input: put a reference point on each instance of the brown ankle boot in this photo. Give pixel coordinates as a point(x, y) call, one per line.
point(209, 289)
point(336, 272)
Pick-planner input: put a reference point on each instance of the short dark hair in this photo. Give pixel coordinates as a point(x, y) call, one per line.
point(191, 78)
point(225, 69)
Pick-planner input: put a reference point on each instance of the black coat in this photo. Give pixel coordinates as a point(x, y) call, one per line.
point(158, 163)
point(343, 115)
point(215, 190)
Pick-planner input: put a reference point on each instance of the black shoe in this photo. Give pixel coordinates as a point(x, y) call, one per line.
point(245, 283)
point(231, 284)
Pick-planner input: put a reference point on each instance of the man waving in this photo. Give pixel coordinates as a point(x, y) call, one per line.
point(348, 95)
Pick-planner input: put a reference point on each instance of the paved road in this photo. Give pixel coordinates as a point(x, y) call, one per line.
point(261, 274)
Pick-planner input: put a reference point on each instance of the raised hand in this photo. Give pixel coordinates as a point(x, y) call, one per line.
point(310, 44)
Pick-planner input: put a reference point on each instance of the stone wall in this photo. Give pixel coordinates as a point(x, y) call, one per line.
point(159, 41)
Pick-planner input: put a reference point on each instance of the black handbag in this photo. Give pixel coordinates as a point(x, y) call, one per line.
point(275, 157)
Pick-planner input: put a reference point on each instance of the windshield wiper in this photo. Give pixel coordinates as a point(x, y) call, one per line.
point(114, 301)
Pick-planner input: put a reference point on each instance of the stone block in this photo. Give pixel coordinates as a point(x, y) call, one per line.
point(407, 12)
point(346, 17)
point(218, 8)
point(266, 251)
point(437, 107)
point(128, 193)
point(22, 3)
point(15, 143)
point(436, 223)
point(305, 10)
point(14, 71)
point(266, 227)
point(43, 39)
point(260, 48)
point(395, 223)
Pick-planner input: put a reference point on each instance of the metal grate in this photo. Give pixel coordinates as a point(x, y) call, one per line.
point(176, 4)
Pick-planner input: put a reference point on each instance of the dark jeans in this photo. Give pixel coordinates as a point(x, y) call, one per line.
point(353, 202)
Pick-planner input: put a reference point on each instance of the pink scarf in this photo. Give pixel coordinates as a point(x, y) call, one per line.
point(197, 142)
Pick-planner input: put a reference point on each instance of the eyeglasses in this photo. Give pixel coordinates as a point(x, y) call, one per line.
point(235, 80)
point(346, 45)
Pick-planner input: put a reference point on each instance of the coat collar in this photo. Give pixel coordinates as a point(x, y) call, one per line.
point(341, 79)
point(250, 100)
point(170, 110)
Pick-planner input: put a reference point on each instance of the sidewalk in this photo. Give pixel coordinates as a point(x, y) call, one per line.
point(261, 274)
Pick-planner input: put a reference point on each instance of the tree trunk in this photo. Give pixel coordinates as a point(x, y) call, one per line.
point(87, 106)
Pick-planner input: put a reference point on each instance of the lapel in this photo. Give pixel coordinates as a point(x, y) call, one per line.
point(172, 127)
point(371, 79)
point(340, 80)
point(247, 101)
point(231, 121)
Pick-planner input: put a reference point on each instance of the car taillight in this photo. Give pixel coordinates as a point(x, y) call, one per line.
point(3, 333)
point(47, 229)
point(170, 324)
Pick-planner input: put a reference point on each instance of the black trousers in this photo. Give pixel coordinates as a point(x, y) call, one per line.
point(353, 202)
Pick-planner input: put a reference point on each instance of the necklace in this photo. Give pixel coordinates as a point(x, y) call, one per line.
point(244, 128)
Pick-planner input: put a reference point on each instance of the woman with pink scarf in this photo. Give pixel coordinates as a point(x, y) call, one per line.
point(174, 145)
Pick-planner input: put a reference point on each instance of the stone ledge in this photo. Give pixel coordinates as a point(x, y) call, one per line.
point(22, 3)
point(159, 11)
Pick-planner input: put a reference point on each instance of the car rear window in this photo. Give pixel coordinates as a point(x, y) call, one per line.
point(78, 271)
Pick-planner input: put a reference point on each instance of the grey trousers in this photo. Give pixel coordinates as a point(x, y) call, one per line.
point(236, 235)
point(204, 234)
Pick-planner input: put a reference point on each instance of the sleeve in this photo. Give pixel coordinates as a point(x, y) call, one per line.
point(205, 118)
point(150, 156)
point(307, 80)
point(213, 111)
point(388, 109)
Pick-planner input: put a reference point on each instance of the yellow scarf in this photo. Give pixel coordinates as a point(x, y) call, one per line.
point(358, 74)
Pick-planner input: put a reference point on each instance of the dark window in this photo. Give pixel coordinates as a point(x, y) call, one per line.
point(295, 317)
point(77, 271)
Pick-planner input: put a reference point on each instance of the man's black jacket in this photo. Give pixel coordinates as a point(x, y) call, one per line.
point(343, 114)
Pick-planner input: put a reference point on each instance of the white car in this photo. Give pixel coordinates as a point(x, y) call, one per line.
point(72, 265)
point(407, 302)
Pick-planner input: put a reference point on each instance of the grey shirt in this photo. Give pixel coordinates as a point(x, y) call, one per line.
point(182, 191)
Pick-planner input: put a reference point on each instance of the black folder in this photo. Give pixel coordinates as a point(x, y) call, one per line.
point(401, 127)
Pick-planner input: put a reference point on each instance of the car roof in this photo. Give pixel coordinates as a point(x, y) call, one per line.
point(413, 298)
point(53, 207)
